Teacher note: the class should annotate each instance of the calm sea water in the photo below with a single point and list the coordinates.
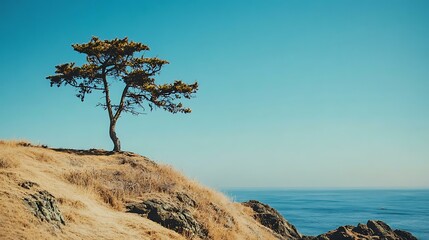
(317, 211)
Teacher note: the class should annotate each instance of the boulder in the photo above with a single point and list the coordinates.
(405, 235)
(185, 199)
(372, 230)
(28, 184)
(44, 206)
(222, 216)
(270, 218)
(381, 229)
(169, 216)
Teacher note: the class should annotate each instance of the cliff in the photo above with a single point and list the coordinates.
(95, 194)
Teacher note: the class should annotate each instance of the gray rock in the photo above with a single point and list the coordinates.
(381, 229)
(270, 218)
(185, 199)
(405, 235)
(170, 216)
(363, 229)
(228, 220)
(44, 206)
(372, 230)
(28, 184)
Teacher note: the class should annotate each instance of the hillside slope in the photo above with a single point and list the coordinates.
(71, 194)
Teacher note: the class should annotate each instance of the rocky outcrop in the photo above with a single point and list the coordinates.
(44, 206)
(372, 230)
(170, 216)
(185, 199)
(222, 216)
(28, 184)
(270, 218)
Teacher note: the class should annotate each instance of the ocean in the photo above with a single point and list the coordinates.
(317, 211)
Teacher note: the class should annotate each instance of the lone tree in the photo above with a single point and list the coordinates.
(117, 60)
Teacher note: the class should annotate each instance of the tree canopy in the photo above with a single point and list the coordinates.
(117, 60)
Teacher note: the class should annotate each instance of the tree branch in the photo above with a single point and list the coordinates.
(85, 86)
(121, 103)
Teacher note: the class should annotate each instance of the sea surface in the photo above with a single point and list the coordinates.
(317, 211)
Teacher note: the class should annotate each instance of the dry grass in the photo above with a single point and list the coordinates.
(122, 182)
(92, 190)
(6, 163)
(14, 143)
(72, 203)
(7, 160)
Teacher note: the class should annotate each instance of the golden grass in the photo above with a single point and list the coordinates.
(13, 143)
(6, 163)
(8, 160)
(92, 190)
(72, 203)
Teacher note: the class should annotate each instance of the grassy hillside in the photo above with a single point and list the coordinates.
(93, 188)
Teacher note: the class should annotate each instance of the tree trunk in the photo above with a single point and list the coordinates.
(115, 139)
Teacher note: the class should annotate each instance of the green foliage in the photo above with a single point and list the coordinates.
(116, 59)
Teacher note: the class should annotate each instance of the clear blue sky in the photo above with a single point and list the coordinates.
(292, 93)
